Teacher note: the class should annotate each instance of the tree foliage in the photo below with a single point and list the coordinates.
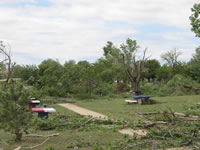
(14, 113)
(164, 73)
(150, 68)
(50, 72)
(27, 73)
(194, 69)
(195, 19)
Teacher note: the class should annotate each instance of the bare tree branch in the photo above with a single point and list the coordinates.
(6, 52)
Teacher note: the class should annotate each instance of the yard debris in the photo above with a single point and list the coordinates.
(148, 124)
(31, 147)
(177, 114)
(37, 135)
(138, 133)
(180, 148)
(18, 148)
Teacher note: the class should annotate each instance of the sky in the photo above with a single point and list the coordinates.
(63, 30)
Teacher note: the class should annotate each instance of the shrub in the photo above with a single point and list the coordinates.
(104, 89)
(177, 86)
(82, 96)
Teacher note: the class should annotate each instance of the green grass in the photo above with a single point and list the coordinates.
(117, 108)
(66, 140)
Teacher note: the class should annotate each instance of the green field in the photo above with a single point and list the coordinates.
(95, 135)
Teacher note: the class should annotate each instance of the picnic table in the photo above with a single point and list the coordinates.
(142, 99)
(42, 112)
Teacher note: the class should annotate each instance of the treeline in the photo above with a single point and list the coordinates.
(107, 76)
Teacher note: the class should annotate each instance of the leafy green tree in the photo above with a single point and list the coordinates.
(194, 65)
(87, 77)
(69, 77)
(110, 67)
(126, 56)
(164, 73)
(111, 64)
(26, 72)
(50, 72)
(14, 113)
(151, 66)
(171, 57)
(195, 19)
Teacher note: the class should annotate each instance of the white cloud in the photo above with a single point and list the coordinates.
(77, 29)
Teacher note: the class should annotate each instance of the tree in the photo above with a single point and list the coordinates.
(132, 65)
(14, 113)
(110, 67)
(69, 77)
(195, 19)
(151, 66)
(171, 57)
(127, 59)
(194, 69)
(5, 53)
(164, 73)
(50, 72)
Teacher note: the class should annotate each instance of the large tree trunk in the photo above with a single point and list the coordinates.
(135, 86)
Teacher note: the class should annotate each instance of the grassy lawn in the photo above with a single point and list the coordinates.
(117, 108)
(84, 140)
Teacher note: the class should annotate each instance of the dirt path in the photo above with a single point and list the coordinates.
(83, 111)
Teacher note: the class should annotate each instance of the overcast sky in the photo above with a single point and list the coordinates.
(78, 29)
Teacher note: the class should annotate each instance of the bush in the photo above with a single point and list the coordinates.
(36, 93)
(177, 86)
(82, 96)
(104, 89)
(180, 85)
(150, 89)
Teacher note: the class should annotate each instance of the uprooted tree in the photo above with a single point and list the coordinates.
(6, 61)
(128, 57)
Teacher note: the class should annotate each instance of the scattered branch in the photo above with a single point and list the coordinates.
(31, 147)
(37, 135)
